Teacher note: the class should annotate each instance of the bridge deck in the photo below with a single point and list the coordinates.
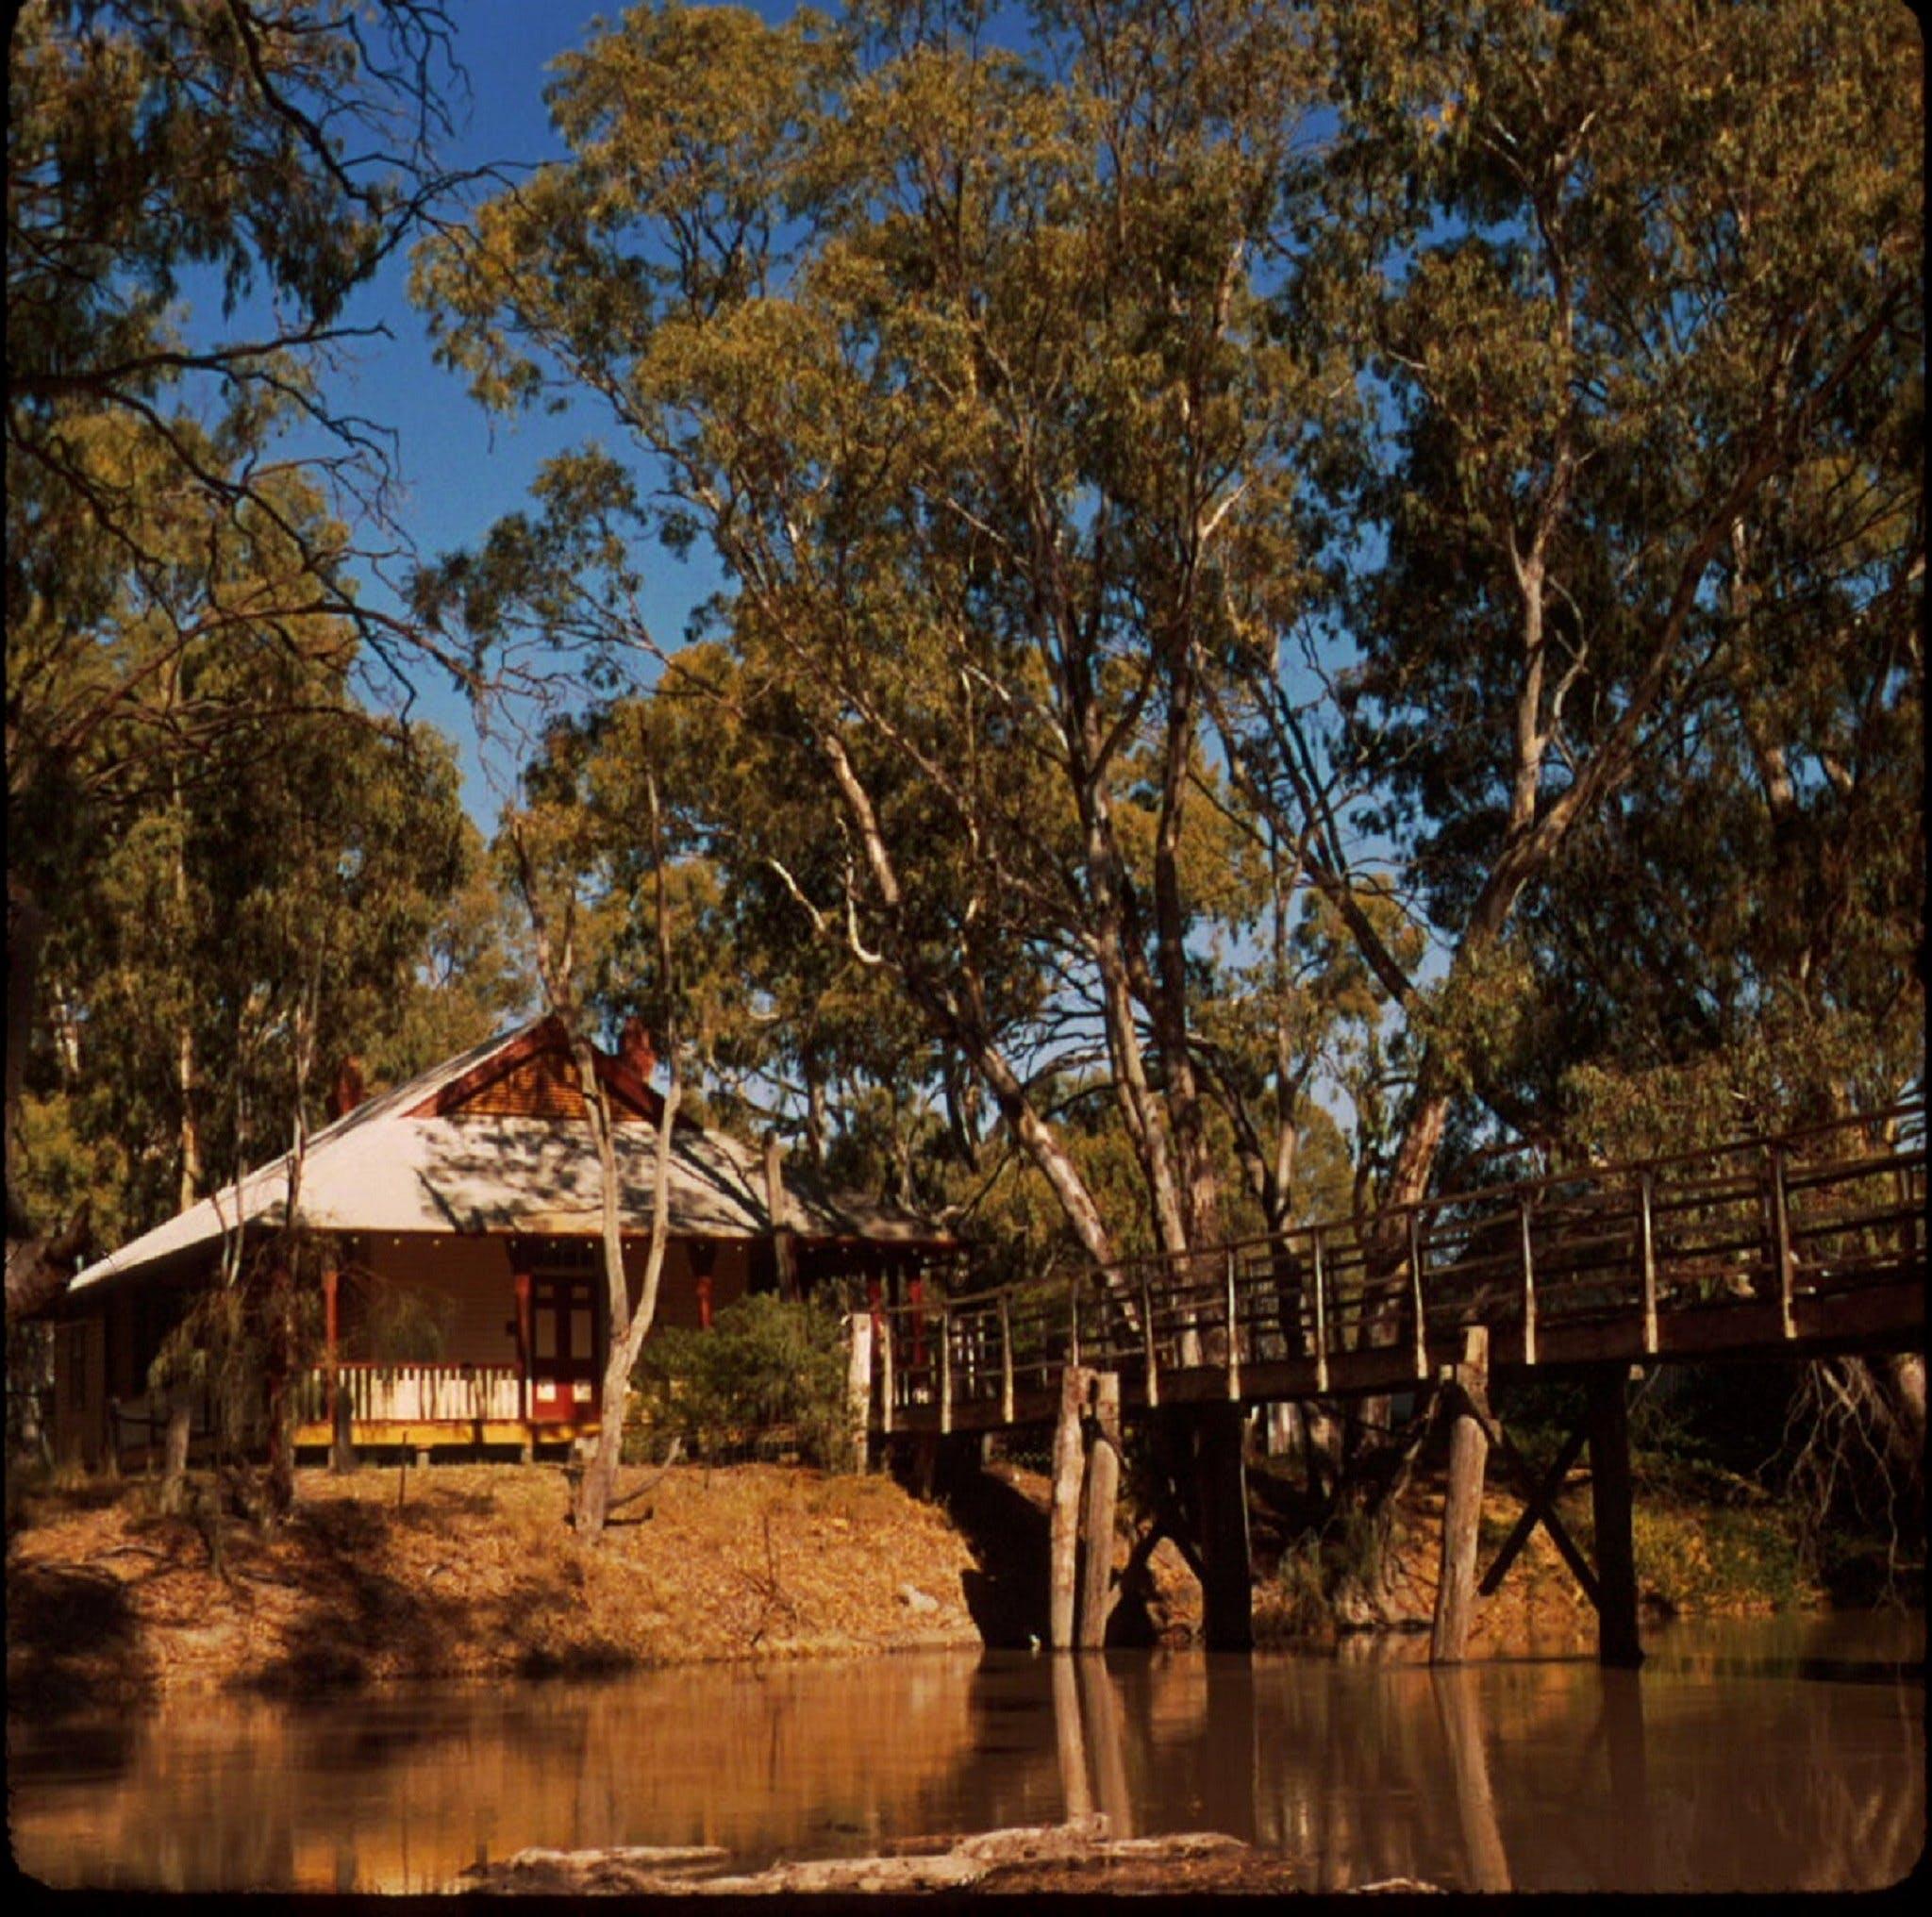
(1801, 1245)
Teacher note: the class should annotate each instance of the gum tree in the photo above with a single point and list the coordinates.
(953, 356)
(273, 153)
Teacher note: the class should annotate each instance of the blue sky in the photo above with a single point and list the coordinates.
(460, 468)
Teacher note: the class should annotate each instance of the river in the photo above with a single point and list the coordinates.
(1780, 1753)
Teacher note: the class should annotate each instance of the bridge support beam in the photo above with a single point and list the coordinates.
(1068, 1470)
(1463, 1503)
(1609, 1490)
(1220, 1497)
(1098, 1499)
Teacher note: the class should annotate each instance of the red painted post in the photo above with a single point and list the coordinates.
(338, 1423)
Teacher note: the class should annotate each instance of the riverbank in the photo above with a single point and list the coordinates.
(1705, 1544)
(472, 1570)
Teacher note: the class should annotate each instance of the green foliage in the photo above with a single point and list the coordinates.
(401, 1324)
(764, 1365)
(953, 355)
(233, 865)
(284, 155)
(1324, 1573)
(246, 929)
(1131, 520)
(1303, 1588)
(1638, 293)
(1721, 1558)
(265, 1317)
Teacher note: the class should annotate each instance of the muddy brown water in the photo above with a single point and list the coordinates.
(1781, 1754)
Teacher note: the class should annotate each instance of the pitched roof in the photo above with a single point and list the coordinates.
(433, 1156)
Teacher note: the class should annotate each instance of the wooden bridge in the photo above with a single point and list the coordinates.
(1803, 1244)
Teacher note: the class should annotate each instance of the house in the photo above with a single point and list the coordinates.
(462, 1301)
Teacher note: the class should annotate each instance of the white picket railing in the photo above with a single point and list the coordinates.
(415, 1394)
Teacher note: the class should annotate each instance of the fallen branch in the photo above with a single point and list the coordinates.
(915, 1864)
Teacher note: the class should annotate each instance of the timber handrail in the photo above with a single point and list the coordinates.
(1598, 1177)
(1765, 1219)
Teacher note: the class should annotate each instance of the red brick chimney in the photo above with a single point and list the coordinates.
(634, 1048)
(345, 1095)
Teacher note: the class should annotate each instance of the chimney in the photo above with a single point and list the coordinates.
(634, 1048)
(345, 1095)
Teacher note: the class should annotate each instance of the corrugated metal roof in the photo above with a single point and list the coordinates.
(379, 1170)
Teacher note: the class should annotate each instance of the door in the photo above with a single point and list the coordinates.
(566, 1348)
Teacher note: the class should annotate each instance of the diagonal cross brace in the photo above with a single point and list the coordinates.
(1540, 1508)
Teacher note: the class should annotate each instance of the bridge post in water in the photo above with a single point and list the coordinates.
(1069, 1463)
(1609, 1492)
(1462, 1501)
(1221, 1482)
(1098, 1499)
(1459, 1714)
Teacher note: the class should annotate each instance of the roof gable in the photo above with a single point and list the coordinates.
(534, 1075)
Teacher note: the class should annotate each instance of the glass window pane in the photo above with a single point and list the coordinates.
(580, 1334)
(546, 1334)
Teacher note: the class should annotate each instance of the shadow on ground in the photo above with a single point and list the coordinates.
(72, 1638)
(1008, 1534)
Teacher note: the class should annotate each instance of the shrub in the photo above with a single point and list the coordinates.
(766, 1366)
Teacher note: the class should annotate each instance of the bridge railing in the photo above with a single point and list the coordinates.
(1802, 1215)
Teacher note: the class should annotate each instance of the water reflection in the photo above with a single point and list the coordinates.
(1460, 1717)
(1741, 1757)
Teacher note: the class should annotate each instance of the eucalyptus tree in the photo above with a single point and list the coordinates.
(270, 909)
(1636, 512)
(551, 838)
(954, 357)
(771, 1019)
(273, 152)
(1633, 573)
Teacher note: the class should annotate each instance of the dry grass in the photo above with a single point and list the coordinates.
(473, 1570)
(470, 1571)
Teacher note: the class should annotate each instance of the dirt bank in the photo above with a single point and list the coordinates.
(1706, 1545)
(473, 1570)
(470, 1571)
